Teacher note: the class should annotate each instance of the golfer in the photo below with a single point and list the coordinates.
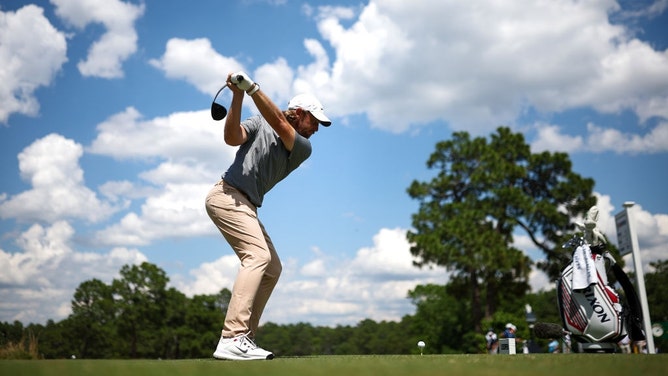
(271, 145)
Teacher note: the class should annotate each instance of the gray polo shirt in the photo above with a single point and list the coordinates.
(262, 161)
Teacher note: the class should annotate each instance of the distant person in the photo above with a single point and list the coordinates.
(553, 346)
(510, 331)
(492, 341)
(567, 343)
(271, 146)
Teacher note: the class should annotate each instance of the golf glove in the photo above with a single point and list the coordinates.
(245, 83)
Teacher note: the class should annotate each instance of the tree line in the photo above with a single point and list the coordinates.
(485, 191)
(136, 316)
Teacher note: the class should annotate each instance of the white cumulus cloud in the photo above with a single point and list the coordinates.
(184, 155)
(27, 62)
(51, 166)
(599, 139)
(39, 279)
(119, 41)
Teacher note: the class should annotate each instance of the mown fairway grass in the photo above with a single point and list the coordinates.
(386, 365)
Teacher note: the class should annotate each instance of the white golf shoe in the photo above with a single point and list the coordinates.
(240, 348)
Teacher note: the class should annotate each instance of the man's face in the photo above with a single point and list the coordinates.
(307, 124)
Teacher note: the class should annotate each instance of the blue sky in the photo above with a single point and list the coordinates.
(108, 148)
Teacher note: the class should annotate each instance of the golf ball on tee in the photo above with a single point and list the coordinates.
(421, 344)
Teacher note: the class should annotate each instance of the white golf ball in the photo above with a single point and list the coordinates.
(421, 344)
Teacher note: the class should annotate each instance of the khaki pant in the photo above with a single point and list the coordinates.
(236, 218)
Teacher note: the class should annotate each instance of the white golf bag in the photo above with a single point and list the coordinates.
(591, 310)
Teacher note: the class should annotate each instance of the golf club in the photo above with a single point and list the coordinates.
(218, 111)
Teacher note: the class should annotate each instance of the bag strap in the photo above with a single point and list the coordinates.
(634, 314)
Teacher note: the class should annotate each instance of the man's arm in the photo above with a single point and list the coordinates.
(274, 116)
(234, 133)
(269, 111)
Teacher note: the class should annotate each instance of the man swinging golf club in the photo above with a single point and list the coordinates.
(271, 145)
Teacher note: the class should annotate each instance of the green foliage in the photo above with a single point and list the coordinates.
(93, 310)
(139, 298)
(482, 192)
(25, 348)
(657, 299)
(440, 318)
(473, 343)
(657, 294)
(136, 316)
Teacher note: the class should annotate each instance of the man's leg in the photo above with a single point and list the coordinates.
(236, 218)
(269, 280)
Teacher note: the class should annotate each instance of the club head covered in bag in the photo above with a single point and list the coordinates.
(218, 111)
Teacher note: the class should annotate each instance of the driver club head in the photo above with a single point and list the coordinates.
(218, 112)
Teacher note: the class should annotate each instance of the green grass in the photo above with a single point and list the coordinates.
(412, 365)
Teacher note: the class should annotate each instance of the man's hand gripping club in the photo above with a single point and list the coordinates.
(269, 111)
(245, 83)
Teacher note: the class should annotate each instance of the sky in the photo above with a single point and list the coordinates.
(108, 148)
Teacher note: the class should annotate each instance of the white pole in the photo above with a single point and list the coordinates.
(640, 279)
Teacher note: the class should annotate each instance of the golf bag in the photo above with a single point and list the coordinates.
(590, 309)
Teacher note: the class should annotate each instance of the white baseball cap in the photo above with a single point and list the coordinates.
(311, 104)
